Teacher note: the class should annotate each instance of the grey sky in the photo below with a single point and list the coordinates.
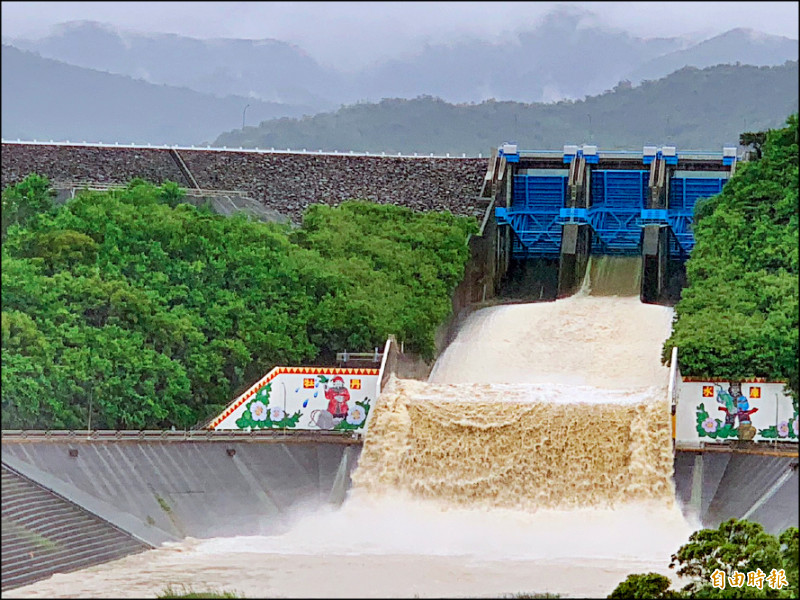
(351, 34)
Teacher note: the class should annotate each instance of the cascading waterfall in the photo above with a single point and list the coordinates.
(536, 406)
(520, 447)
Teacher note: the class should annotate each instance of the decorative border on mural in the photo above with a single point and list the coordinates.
(254, 389)
(693, 379)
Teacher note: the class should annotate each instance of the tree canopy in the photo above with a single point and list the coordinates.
(157, 313)
(738, 316)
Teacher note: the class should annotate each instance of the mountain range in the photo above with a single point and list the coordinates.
(698, 109)
(89, 81)
(561, 58)
(47, 99)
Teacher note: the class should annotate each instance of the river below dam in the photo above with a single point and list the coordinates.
(537, 458)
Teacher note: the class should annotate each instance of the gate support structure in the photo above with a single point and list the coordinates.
(576, 236)
(655, 234)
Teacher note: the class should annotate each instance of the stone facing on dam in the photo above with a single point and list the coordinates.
(284, 182)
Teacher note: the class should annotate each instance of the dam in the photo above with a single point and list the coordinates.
(504, 472)
(539, 455)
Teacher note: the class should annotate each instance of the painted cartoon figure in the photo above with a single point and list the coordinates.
(746, 430)
(744, 410)
(736, 406)
(729, 405)
(337, 397)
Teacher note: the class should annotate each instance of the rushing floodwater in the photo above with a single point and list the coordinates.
(537, 458)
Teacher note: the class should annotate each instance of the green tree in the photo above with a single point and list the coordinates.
(738, 316)
(21, 201)
(651, 586)
(790, 557)
(755, 139)
(156, 313)
(736, 546)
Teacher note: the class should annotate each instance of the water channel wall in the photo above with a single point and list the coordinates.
(162, 490)
(43, 534)
(713, 485)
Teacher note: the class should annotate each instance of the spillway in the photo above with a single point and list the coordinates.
(536, 458)
(551, 405)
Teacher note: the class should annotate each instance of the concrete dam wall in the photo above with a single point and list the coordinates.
(95, 501)
(167, 490)
(716, 486)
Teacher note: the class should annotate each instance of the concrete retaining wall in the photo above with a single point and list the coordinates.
(717, 486)
(44, 533)
(170, 490)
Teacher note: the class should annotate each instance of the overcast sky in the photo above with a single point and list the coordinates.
(351, 34)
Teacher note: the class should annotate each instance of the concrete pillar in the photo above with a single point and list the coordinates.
(655, 238)
(503, 198)
(655, 253)
(576, 238)
(576, 244)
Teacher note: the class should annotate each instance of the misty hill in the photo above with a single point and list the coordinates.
(745, 46)
(692, 108)
(558, 59)
(563, 57)
(47, 99)
(268, 69)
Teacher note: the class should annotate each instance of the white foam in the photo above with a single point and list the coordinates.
(397, 525)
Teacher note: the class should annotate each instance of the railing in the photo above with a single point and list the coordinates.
(103, 186)
(772, 448)
(343, 357)
(102, 435)
(273, 150)
(685, 154)
(90, 185)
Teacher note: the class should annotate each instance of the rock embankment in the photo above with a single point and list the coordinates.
(284, 182)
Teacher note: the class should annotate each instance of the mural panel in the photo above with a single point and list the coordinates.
(304, 398)
(752, 410)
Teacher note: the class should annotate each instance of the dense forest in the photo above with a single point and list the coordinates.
(699, 109)
(156, 313)
(738, 317)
